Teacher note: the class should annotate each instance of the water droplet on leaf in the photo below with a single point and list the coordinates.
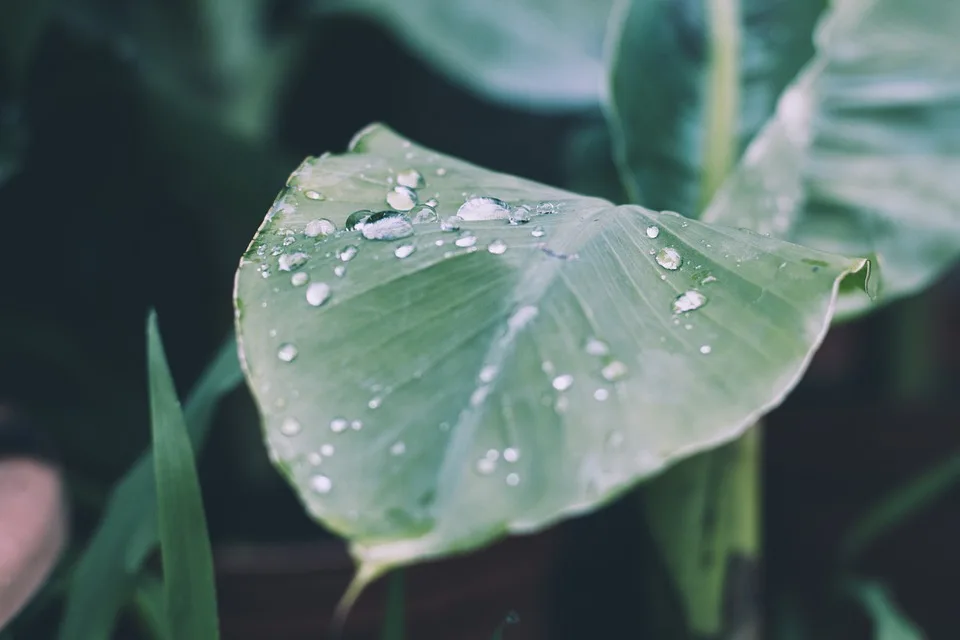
(318, 293)
(348, 253)
(597, 347)
(287, 352)
(387, 225)
(402, 198)
(705, 349)
(483, 208)
(513, 479)
(614, 371)
(404, 250)
(497, 247)
(321, 483)
(451, 224)
(338, 425)
(653, 232)
(320, 227)
(511, 454)
(467, 239)
(562, 383)
(410, 178)
(423, 213)
(689, 301)
(669, 258)
(357, 219)
(299, 278)
(290, 427)
(398, 448)
(291, 261)
(314, 195)
(538, 232)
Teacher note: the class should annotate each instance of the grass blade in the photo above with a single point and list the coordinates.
(189, 588)
(106, 574)
(393, 623)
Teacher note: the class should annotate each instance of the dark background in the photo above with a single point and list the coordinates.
(120, 204)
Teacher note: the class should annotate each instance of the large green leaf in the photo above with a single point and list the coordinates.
(540, 54)
(428, 394)
(863, 153)
(690, 82)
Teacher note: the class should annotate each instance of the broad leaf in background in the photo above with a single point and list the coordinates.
(428, 390)
(889, 623)
(690, 81)
(107, 572)
(863, 155)
(188, 583)
(536, 54)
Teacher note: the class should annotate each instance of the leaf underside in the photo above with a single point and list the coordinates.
(435, 402)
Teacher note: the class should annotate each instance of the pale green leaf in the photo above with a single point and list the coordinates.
(889, 622)
(537, 54)
(503, 377)
(689, 82)
(863, 153)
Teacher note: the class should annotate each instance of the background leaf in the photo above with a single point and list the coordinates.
(500, 378)
(106, 573)
(668, 76)
(889, 623)
(188, 582)
(537, 54)
(862, 155)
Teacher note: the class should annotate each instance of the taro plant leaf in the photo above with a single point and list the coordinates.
(431, 390)
(539, 54)
(863, 153)
(188, 584)
(107, 571)
(689, 83)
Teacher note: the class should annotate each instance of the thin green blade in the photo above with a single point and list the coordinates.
(428, 394)
(189, 588)
(889, 622)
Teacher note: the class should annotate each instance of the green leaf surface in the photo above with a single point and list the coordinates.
(863, 153)
(188, 583)
(689, 82)
(889, 623)
(538, 54)
(501, 377)
(106, 574)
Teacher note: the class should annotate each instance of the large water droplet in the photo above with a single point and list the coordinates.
(519, 215)
(563, 382)
(410, 178)
(669, 258)
(321, 483)
(483, 208)
(404, 250)
(467, 239)
(348, 253)
(402, 198)
(299, 278)
(287, 352)
(451, 224)
(319, 227)
(338, 425)
(689, 301)
(511, 454)
(318, 293)
(314, 195)
(290, 427)
(387, 225)
(597, 347)
(291, 261)
(497, 247)
(398, 448)
(357, 219)
(653, 232)
(423, 213)
(614, 371)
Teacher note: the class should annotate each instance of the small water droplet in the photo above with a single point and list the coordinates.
(441, 171)
(289, 240)
(562, 383)
(511, 454)
(488, 373)
(348, 253)
(314, 195)
(356, 425)
(466, 239)
(321, 483)
(287, 352)
(519, 215)
(479, 395)
(451, 224)
(705, 349)
(299, 278)
(513, 479)
(614, 371)
(291, 261)
(689, 301)
(290, 427)
(538, 232)
(486, 466)
(601, 394)
(402, 198)
(339, 270)
(404, 250)
(708, 280)
(410, 178)
(387, 225)
(338, 425)
(320, 227)
(398, 448)
(483, 208)
(314, 458)
(653, 232)
(669, 258)
(432, 203)
(326, 449)
(318, 293)
(423, 214)
(522, 316)
(497, 247)
(357, 219)
(375, 402)
(546, 208)
(597, 347)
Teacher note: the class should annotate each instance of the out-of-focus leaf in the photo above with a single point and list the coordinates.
(863, 153)
(889, 623)
(430, 393)
(536, 54)
(148, 599)
(106, 574)
(393, 623)
(189, 590)
(688, 85)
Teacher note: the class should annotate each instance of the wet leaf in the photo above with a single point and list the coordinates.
(863, 153)
(496, 372)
